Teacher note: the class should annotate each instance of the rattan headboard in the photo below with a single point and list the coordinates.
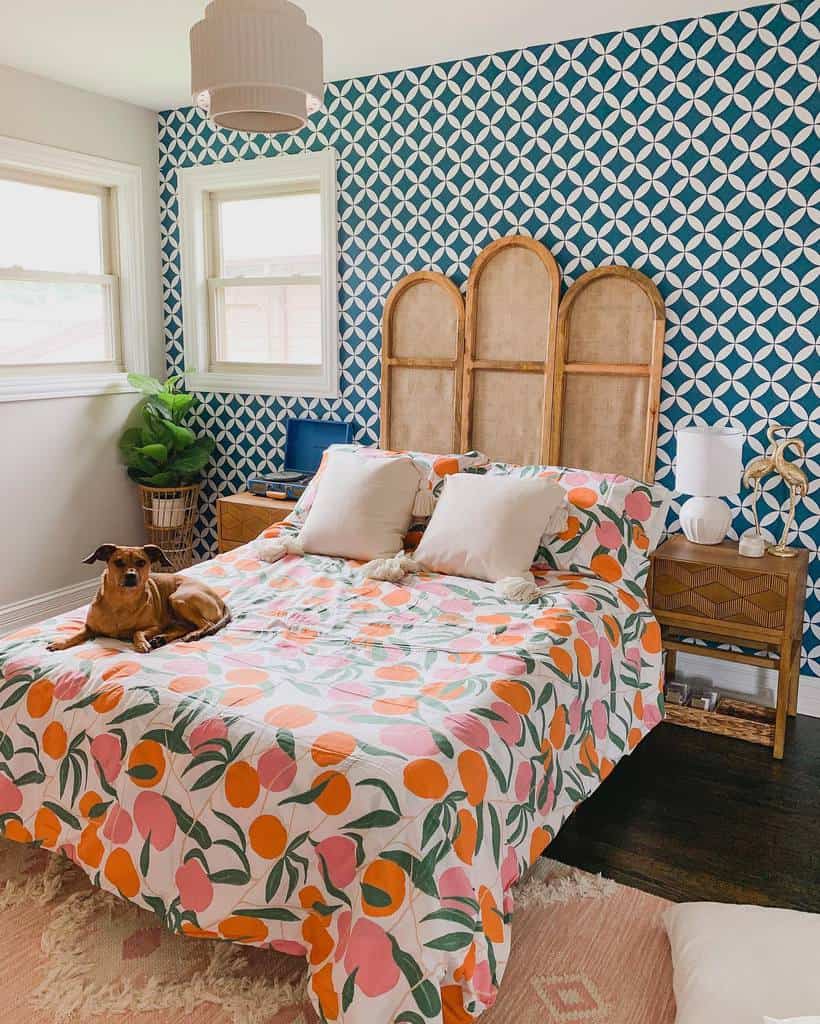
(528, 380)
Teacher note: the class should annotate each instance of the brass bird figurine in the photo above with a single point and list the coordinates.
(775, 461)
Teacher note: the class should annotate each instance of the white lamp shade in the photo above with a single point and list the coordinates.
(709, 461)
(256, 65)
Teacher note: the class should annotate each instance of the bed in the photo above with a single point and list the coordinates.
(358, 771)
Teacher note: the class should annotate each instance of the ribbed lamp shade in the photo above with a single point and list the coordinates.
(709, 461)
(256, 65)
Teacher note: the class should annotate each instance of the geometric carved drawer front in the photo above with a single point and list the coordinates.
(242, 524)
(715, 592)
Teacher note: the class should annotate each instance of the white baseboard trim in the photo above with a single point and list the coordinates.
(758, 684)
(45, 606)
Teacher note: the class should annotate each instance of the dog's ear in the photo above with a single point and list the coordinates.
(156, 554)
(102, 554)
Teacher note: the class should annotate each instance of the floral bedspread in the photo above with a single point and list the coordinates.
(355, 772)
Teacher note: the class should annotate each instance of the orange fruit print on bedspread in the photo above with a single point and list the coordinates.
(352, 772)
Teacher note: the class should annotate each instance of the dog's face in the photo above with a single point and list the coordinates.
(128, 568)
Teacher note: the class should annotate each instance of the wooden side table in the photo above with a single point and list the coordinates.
(242, 517)
(711, 592)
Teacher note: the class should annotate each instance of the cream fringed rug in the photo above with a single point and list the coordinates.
(585, 951)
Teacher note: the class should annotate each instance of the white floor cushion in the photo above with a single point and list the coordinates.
(744, 965)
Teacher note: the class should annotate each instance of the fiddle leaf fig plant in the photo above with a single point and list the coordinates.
(164, 451)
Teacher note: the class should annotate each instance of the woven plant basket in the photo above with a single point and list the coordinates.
(169, 514)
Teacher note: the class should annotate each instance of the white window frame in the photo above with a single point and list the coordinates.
(123, 183)
(196, 186)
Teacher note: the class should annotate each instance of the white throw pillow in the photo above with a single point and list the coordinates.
(740, 965)
(362, 507)
(488, 528)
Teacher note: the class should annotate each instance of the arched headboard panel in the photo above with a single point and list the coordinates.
(422, 364)
(512, 309)
(608, 361)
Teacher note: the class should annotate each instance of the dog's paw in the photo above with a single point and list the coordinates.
(142, 647)
(55, 645)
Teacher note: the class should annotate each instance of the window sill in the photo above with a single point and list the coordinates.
(322, 384)
(36, 388)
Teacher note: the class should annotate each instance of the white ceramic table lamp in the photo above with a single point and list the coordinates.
(709, 466)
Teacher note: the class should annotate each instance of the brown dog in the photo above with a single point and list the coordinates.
(149, 609)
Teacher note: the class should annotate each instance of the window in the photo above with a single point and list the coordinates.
(259, 276)
(62, 286)
(58, 287)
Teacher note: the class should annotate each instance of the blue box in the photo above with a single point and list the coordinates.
(306, 441)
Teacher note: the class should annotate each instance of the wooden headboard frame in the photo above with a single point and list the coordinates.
(512, 312)
(607, 374)
(519, 376)
(422, 364)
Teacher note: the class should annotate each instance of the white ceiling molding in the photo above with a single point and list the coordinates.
(139, 52)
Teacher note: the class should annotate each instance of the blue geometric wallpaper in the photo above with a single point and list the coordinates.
(689, 151)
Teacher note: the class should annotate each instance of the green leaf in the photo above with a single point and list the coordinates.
(375, 897)
(452, 942)
(385, 788)
(156, 452)
(62, 814)
(375, 819)
(136, 712)
(145, 856)
(349, 990)
(147, 385)
(274, 880)
(131, 438)
(195, 829)
(309, 797)
(143, 772)
(156, 904)
(424, 992)
(286, 742)
(458, 917)
(268, 914)
(230, 876)
(169, 739)
(209, 778)
(443, 744)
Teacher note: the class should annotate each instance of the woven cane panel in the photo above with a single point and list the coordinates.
(604, 424)
(612, 321)
(513, 307)
(750, 598)
(507, 413)
(425, 324)
(422, 404)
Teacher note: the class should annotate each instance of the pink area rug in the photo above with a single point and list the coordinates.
(585, 951)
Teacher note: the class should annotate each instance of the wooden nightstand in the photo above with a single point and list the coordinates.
(242, 517)
(713, 593)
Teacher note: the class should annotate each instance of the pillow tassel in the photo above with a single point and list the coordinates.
(274, 550)
(390, 570)
(521, 589)
(425, 503)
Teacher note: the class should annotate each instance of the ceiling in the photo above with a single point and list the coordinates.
(137, 50)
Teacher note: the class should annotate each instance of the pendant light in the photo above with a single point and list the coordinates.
(256, 65)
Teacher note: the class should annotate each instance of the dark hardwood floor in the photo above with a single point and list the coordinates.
(690, 816)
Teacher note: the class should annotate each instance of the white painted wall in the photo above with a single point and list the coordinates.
(62, 490)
